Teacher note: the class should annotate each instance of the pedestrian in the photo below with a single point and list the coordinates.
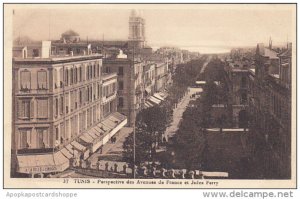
(116, 167)
(192, 174)
(89, 164)
(163, 172)
(124, 168)
(172, 172)
(106, 166)
(98, 165)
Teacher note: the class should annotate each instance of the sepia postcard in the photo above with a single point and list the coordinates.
(149, 96)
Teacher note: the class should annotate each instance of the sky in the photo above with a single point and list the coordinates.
(185, 26)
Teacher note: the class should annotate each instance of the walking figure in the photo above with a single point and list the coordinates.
(115, 167)
(106, 166)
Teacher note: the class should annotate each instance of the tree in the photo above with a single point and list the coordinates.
(190, 143)
(141, 153)
(151, 123)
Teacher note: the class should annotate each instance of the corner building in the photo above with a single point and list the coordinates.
(64, 107)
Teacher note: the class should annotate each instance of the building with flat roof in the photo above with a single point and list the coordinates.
(64, 109)
(130, 85)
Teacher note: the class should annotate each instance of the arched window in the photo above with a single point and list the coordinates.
(25, 80)
(42, 79)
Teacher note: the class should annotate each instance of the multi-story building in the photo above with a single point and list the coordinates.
(152, 95)
(270, 111)
(63, 107)
(261, 100)
(149, 78)
(162, 76)
(237, 77)
(130, 84)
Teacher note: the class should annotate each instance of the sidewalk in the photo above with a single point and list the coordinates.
(177, 115)
(112, 152)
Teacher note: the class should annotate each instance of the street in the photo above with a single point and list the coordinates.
(177, 115)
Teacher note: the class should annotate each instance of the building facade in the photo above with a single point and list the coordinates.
(270, 111)
(130, 85)
(60, 102)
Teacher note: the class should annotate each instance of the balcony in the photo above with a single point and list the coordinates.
(109, 97)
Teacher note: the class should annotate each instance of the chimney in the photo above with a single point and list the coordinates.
(46, 49)
(24, 52)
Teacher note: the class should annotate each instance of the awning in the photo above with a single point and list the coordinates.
(78, 146)
(148, 104)
(98, 129)
(155, 100)
(158, 96)
(69, 147)
(66, 153)
(108, 124)
(86, 138)
(92, 134)
(61, 161)
(42, 163)
(163, 94)
(103, 127)
(119, 116)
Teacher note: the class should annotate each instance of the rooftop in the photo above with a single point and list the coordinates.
(270, 53)
(58, 59)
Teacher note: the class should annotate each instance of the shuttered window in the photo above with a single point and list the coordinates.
(41, 138)
(25, 80)
(24, 139)
(61, 104)
(42, 79)
(25, 109)
(67, 102)
(42, 108)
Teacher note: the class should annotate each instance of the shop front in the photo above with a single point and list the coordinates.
(40, 164)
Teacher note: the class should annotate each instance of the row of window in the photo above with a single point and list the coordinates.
(26, 80)
(109, 90)
(29, 108)
(77, 98)
(29, 138)
(40, 138)
(77, 124)
(120, 70)
(82, 73)
(109, 108)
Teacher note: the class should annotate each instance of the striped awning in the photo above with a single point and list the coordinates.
(155, 100)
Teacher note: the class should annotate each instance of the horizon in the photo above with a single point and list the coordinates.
(183, 27)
